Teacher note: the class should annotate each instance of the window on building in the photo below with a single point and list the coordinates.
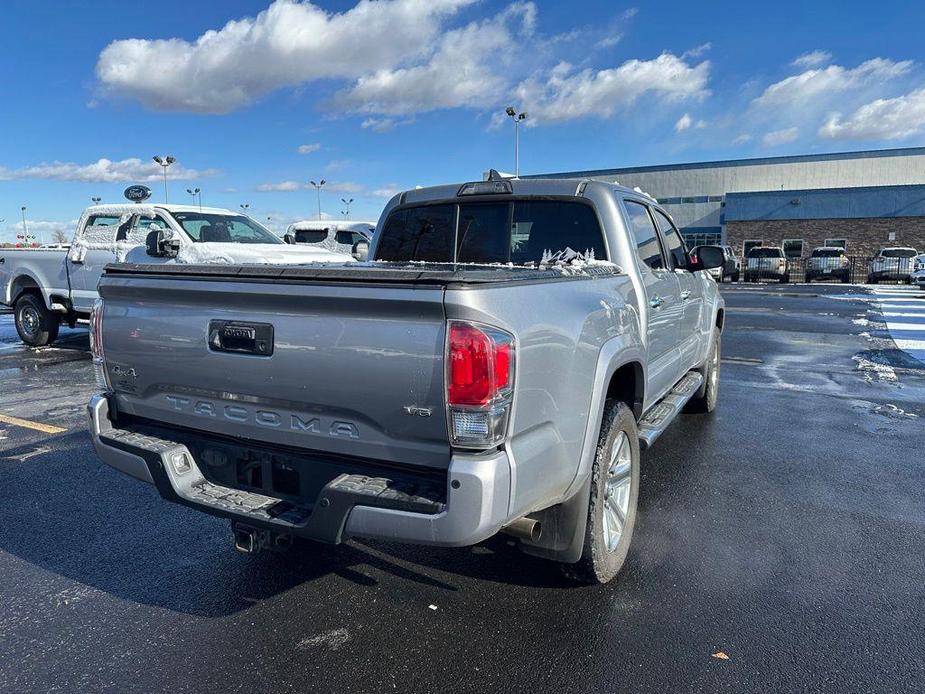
(837, 243)
(793, 248)
(647, 243)
(749, 244)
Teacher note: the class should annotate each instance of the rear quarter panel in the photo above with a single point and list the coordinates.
(560, 329)
(46, 268)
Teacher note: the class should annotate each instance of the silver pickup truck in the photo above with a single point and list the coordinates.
(498, 365)
(47, 287)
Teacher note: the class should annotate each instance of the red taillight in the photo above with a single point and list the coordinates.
(478, 368)
(479, 384)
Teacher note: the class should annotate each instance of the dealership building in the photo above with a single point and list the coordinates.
(861, 201)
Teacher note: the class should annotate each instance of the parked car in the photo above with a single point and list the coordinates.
(891, 264)
(828, 262)
(478, 375)
(341, 237)
(50, 286)
(765, 262)
(730, 268)
(918, 274)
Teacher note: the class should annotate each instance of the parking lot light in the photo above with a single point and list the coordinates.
(318, 187)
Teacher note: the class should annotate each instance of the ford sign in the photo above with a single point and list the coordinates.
(137, 193)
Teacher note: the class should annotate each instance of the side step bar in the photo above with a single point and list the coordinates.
(657, 419)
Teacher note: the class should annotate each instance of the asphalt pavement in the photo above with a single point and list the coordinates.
(779, 547)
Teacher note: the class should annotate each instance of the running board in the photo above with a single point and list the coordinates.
(657, 419)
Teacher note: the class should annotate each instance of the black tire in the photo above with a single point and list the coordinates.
(599, 562)
(871, 280)
(705, 398)
(735, 277)
(36, 325)
(784, 279)
(845, 279)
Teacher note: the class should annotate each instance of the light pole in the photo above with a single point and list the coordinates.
(317, 187)
(517, 118)
(194, 192)
(96, 200)
(347, 204)
(164, 162)
(244, 206)
(25, 229)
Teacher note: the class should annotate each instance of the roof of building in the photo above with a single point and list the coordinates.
(725, 163)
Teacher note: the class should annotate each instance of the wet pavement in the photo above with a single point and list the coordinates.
(784, 532)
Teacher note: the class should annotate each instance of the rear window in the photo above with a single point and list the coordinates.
(766, 253)
(898, 253)
(828, 253)
(516, 232)
(311, 235)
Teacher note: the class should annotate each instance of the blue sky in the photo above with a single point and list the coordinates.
(389, 95)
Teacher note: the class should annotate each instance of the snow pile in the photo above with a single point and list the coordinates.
(103, 237)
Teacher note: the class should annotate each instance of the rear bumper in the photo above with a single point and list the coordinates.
(474, 507)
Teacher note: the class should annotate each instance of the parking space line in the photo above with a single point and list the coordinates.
(27, 424)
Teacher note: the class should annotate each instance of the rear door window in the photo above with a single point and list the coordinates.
(648, 247)
(766, 253)
(311, 235)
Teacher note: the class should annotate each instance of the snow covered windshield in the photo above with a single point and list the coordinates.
(207, 227)
(518, 232)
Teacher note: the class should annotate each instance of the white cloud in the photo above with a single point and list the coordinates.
(308, 149)
(564, 94)
(697, 51)
(44, 230)
(831, 80)
(329, 187)
(812, 59)
(883, 119)
(384, 125)
(105, 171)
(780, 137)
(466, 68)
(288, 44)
(388, 191)
(281, 187)
(742, 139)
(684, 122)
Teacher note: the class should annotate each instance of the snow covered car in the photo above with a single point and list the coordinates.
(50, 286)
(891, 264)
(341, 237)
(828, 262)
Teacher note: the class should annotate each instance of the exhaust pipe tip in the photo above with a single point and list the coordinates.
(526, 529)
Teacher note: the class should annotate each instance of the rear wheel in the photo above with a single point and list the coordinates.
(36, 325)
(784, 279)
(614, 494)
(871, 280)
(705, 398)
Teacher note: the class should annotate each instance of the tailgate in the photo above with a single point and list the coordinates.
(356, 370)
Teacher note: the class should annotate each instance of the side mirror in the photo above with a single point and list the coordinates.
(289, 238)
(361, 251)
(706, 258)
(161, 244)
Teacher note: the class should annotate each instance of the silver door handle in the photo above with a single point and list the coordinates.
(656, 301)
(686, 294)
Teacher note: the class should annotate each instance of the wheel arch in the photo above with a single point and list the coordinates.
(23, 283)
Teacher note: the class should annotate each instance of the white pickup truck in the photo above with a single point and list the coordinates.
(50, 286)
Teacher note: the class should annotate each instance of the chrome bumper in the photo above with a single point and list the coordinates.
(476, 506)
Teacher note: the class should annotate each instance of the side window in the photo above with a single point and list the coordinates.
(139, 231)
(419, 233)
(647, 244)
(676, 250)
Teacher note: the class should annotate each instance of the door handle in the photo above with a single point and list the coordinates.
(656, 301)
(686, 294)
